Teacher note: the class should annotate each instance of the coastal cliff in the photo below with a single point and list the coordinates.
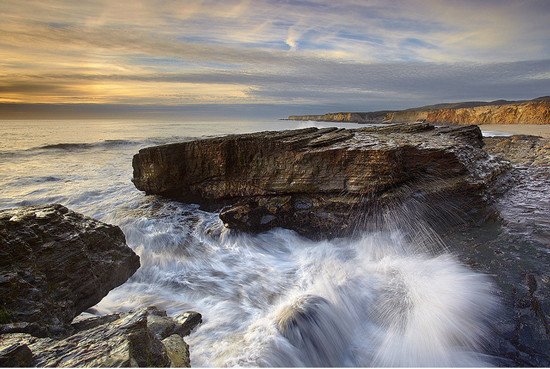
(349, 117)
(536, 111)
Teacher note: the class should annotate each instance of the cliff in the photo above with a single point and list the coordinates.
(355, 117)
(536, 111)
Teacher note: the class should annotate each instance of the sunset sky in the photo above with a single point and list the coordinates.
(276, 57)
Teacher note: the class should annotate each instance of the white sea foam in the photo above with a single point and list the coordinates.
(372, 301)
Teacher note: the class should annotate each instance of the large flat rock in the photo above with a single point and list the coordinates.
(316, 181)
(54, 264)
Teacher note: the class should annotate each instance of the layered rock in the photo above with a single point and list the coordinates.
(54, 264)
(319, 182)
(520, 149)
(529, 112)
(536, 111)
(145, 338)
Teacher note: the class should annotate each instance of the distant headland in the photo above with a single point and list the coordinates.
(535, 111)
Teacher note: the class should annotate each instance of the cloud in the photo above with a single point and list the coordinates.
(360, 54)
(292, 38)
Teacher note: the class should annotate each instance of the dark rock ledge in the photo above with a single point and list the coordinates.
(321, 182)
(55, 264)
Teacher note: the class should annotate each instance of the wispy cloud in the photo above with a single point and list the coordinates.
(362, 54)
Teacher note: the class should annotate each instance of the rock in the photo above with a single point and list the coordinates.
(319, 182)
(520, 149)
(187, 322)
(54, 264)
(16, 354)
(123, 342)
(178, 351)
(315, 330)
(161, 326)
(127, 341)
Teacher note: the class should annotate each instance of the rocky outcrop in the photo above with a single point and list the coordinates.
(520, 149)
(319, 182)
(54, 264)
(128, 340)
(355, 117)
(536, 111)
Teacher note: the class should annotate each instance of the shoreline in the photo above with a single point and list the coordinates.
(542, 130)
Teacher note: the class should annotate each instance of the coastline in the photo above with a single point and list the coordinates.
(542, 130)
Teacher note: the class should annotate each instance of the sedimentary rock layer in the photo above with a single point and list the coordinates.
(317, 181)
(54, 264)
(536, 111)
(530, 112)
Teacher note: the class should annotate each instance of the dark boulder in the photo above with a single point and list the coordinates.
(54, 264)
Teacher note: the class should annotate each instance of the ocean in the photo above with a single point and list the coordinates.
(377, 300)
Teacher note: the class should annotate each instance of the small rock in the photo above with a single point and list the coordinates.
(125, 342)
(84, 323)
(267, 219)
(188, 321)
(15, 355)
(178, 351)
(161, 326)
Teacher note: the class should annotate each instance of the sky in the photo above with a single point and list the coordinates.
(269, 57)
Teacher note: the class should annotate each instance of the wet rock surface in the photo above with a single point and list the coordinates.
(522, 150)
(54, 264)
(318, 181)
(515, 248)
(130, 340)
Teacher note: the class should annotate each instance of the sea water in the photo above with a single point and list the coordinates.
(272, 299)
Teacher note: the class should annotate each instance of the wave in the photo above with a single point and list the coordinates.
(277, 299)
(82, 146)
